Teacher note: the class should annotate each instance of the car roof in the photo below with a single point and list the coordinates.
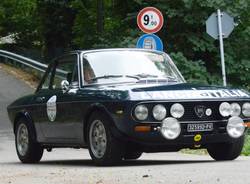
(103, 50)
(116, 49)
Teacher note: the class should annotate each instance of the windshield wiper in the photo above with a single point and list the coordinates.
(114, 76)
(146, 75)
(137, 77)
(171, 78)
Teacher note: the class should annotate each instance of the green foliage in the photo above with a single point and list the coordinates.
(193, 71)
(18, 17)
(55, 26)
(246, 148)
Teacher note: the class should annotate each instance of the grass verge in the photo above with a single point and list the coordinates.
(246, 148)
(27, 77)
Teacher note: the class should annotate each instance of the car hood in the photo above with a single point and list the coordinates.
(183, 91)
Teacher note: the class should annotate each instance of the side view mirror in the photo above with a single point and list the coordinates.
(65, 85)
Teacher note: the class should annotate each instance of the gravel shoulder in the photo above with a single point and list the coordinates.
(72, 166)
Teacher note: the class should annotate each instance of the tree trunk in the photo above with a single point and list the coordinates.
(100, 16)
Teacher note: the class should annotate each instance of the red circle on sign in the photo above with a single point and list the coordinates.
(142, 27)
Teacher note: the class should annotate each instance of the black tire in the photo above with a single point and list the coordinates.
(132, 155)
(34, 151)
(226, 151)
(114, 148)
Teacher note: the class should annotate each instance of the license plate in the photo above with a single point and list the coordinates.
(200, 127)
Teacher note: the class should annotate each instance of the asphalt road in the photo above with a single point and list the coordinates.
(71, 166)
(10, 89)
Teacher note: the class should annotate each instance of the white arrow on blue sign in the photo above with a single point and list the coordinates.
(150, 41)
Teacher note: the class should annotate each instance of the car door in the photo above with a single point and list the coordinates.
(39, 107)
(57, 120)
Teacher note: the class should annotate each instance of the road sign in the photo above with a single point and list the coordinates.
(220, 25)
(227, 25)
(150, 41)
(150, 20)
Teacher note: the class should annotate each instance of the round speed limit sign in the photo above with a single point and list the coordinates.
(150, 20)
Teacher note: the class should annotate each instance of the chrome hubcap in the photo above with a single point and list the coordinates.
(98, 138)
(22, 139)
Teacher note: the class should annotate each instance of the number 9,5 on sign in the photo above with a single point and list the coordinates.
(150, 20)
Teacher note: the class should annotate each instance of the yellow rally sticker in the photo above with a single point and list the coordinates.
(197, 137)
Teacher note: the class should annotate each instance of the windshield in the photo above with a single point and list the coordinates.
(116, 65)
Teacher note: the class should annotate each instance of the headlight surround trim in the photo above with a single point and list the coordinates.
(225, 109)
(170, 128)
(246, 109)
(177, 110)
(235, 109)
(141, 112)
(235, 127)
(159, 112)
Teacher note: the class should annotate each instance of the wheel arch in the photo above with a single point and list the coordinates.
(97, 107)
(26, 116)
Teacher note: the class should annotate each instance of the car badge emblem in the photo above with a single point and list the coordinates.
(200, 110)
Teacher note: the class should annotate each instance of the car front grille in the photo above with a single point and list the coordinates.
(190, 113)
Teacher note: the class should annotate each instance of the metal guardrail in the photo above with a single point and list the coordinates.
(24, 60)
(32, 64)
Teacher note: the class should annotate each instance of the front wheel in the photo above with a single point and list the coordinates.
(28, 150)
(226, 151)
(104, 148)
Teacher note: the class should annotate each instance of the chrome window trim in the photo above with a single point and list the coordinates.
(123, 49)
(81, 65)
(76, 62)
(78, 69)
(52, 67)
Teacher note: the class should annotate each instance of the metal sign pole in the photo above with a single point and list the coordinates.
(221, 48)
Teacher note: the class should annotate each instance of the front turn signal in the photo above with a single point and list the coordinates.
(247, 124)
(142, 128)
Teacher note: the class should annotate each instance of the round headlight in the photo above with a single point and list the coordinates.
(225, 109)
(235, 127)
(235, 109)
(246, 109)
(159, 112)
(141, 112)
(177, 110)
(170, 128)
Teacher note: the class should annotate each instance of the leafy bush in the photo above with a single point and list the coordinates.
(246, 148)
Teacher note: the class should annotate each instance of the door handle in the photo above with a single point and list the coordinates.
(40, 99)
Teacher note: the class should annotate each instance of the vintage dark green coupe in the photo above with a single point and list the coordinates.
(119, 103)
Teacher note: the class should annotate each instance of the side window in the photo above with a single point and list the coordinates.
(66, 69)
(46, 84)
(87, 72)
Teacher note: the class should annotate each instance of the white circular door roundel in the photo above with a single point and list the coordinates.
(51, 108)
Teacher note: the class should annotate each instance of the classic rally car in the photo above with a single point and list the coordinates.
(119, 103)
